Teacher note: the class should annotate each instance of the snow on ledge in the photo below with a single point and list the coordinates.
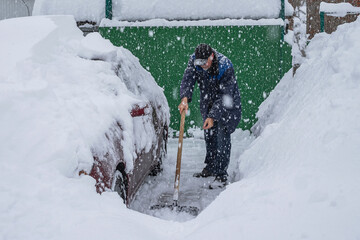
(208, 22)
(141, 10)
(338, 9)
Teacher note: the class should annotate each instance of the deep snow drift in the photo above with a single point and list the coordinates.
(299, 178)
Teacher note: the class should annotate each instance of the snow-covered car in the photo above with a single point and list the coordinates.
(133, 149)
(78, 104)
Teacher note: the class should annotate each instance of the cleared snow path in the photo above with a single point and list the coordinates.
(193, 191)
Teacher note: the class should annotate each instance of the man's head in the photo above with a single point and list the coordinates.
(203, 56)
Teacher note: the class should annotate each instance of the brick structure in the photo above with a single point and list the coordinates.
(331, 23)
(313, 15)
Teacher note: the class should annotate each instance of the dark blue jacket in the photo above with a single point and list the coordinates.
(219, 92)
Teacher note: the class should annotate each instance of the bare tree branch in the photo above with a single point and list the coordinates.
(27, 7)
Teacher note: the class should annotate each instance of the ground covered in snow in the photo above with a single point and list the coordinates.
(298, 179)
(194, 192)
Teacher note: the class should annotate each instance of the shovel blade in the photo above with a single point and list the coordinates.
(194, 211)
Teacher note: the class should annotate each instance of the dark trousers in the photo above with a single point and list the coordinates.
(218, 148)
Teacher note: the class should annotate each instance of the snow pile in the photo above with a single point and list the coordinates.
(93, 10)
(300, 176)
(95, 47)
(129, 10)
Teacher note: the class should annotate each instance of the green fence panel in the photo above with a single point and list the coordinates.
(108, 9)
(259, 57)
(322, 16)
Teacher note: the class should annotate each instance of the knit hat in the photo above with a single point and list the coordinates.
(202, 53)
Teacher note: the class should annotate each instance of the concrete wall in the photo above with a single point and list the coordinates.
(15, 8)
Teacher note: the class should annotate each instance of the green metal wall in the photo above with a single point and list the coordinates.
(257, 53)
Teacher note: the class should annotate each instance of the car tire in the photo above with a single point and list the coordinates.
(157, 168)
(120, 183)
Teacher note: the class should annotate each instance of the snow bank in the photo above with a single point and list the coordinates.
(300, 176)
(128, 10)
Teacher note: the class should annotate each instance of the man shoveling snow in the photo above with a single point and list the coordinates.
(219, 104)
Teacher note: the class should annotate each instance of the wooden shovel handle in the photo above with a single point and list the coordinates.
(178, 163)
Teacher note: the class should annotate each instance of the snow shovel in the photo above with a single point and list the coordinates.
(174, 206)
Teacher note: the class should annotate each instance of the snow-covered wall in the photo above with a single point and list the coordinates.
(199, 9)
(165, 23)
(338, 9)
(167, 9)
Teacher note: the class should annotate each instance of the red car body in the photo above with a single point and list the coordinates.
(109, 167)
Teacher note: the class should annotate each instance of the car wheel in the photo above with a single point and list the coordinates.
(157, 168)
(120, 183)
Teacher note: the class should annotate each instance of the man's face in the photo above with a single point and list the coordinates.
(207, 65)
